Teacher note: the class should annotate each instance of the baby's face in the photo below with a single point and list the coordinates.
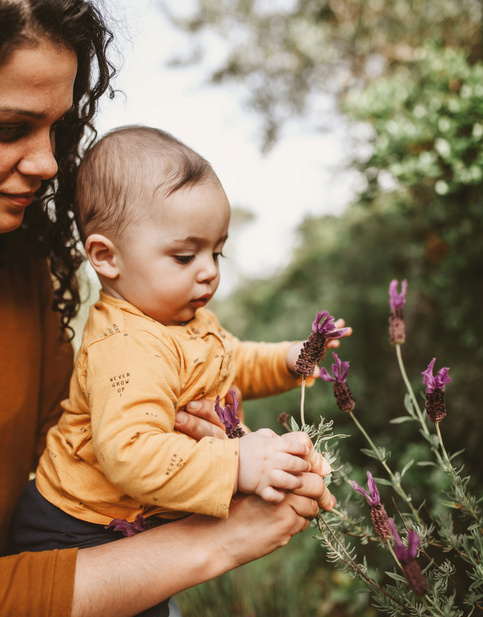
(168, 262)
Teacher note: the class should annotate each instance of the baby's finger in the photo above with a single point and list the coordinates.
(280, 479)
(298, 443)
(290, 463)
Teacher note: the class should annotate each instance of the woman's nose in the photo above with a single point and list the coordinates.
(38, 160)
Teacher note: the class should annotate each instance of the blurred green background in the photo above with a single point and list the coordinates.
(407, 77)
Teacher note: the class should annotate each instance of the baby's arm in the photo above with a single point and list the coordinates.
(269, 464)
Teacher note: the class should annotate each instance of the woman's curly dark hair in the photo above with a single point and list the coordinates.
(49, 221)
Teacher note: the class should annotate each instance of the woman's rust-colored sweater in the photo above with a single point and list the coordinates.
(34, 376)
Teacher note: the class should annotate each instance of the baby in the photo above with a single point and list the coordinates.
(154, 219)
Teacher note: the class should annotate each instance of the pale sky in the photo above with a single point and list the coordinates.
(295, 179)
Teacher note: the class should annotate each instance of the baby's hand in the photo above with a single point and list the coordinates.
(334, 343)
(270, 464)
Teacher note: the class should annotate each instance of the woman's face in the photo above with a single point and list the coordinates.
(36, 86)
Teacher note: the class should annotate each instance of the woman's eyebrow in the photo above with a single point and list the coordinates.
(36, 115)
(23, 112)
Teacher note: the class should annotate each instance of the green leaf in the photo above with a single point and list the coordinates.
(396, 577)
(449, 504)
(406, 467)
(401, 419)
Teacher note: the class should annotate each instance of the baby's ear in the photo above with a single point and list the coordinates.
(102, 255)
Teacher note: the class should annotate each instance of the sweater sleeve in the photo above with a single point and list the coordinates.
(262, 369)
(57, 362)
(40, 584)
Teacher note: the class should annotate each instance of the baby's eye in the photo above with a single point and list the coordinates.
(216, 256)
(184, 259)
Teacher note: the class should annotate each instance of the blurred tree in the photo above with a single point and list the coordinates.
(409, 72)
(285, 52)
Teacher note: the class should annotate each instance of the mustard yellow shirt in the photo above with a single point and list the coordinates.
(114, 452)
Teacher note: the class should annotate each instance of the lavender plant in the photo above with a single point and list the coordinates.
(438, 565)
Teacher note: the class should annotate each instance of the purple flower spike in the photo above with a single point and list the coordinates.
(436, 382)
(435, 397)
(313, 349)
(397, 300)
(343, 395)
(402, 553)
(229, 418)
(374, 498)
(407, 557)
(126, 528)
(324, 324)
(378, 512)
(340, 370)
(397, 328)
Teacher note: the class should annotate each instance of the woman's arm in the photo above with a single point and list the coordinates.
(125, 577)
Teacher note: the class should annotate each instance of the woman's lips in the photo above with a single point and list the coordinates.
(19, 199)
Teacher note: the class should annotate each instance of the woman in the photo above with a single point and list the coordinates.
(53, 69)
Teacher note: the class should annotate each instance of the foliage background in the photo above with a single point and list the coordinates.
(408, 77)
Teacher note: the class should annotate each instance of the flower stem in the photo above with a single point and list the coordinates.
(444, 460)
(410, 390)
(302, 401)
(396, 482)
(344, 556)
(451, 472)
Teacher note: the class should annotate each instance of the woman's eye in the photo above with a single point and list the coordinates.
(11, 132)
(184, 259)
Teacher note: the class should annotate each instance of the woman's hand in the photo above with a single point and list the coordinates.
(199, 419)
(313, 483)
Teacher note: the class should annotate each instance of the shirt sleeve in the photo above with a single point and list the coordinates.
(40, 584)
(262, 369)
(133, 384)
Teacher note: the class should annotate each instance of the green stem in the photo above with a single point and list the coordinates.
(443, 460)
(451, 472)
(396, 482)
(347, 559)
(421, 416)
(410, 390)
(430, 605)
(302, 401)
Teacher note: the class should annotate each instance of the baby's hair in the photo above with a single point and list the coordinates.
(125, 170)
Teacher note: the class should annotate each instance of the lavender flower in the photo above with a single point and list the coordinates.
(229, 418)
(130, 529)
(435, 397)
(407, 557)
(378, 512)
(283, 419)
(343, 395)
(397, 330)
(323, 328)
